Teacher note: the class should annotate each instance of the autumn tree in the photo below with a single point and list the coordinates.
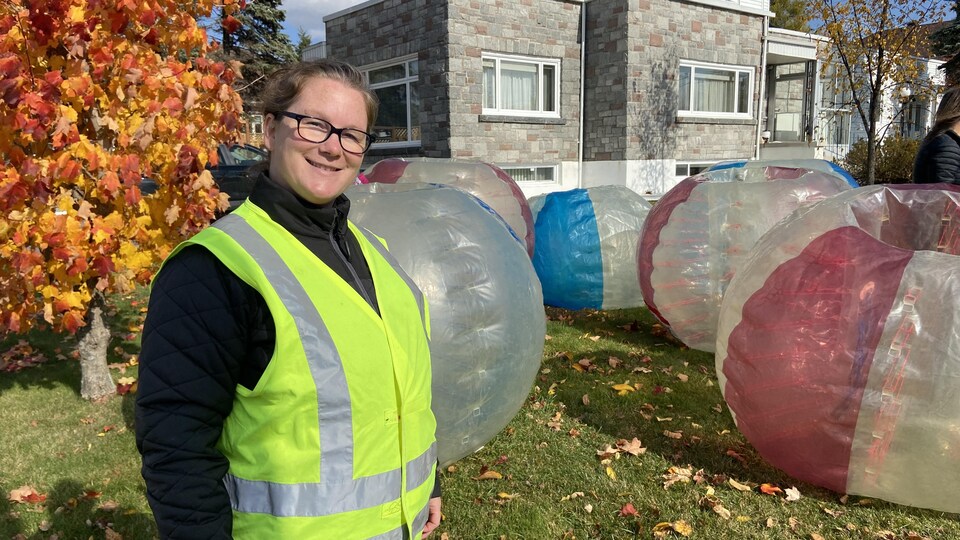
(791, 15)
(259, 43)
(876, 46)
(94, 97)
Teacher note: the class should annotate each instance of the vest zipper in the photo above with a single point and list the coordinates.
(343, 251)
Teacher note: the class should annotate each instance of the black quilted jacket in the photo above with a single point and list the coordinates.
(206, 331)
(938, 160)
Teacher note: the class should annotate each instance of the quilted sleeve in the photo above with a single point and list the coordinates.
(939, 161)
(191, 360)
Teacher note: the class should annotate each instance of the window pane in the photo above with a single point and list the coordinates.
(743, 93)
(531, 174)
(414, 112)
(685, 88)
(489, 84)
(681, 170)
(391, 125)
(714, 90)
(549, 82)
(389, 73)
(697, 169)
(518, 86)
(414, 67)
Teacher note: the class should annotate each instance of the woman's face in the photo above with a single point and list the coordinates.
(316, 172)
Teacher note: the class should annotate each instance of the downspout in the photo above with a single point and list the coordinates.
(761, 105)
(583, 62)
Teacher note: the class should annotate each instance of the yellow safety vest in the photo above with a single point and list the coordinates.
(337, 440)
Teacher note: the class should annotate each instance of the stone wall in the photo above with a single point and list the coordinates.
(634, 49)
(539, 28)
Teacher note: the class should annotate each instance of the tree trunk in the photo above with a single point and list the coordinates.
(95, 379)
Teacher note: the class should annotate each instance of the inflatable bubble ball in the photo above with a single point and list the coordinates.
(586, 249)
(486, 309)
(485, 181)
(700, 231)
(839, 344)
(821, 165)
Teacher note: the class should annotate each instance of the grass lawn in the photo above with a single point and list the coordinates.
(566, 466)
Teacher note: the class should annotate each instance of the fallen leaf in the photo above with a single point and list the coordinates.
(634, 448)
(770, 489)
(673, 434)
(607, 452)
(738, 486)
(815, 536)
(586, 400)
(623, 389)
(611, 473)
(25, 494)
(833, 513)
(677, 474)
(682, 377)
(588, 507)
(506, 496)
(663, 529)
(573, 495)
(770, 523)
(489, 475)
(628, 510)
(793, 494)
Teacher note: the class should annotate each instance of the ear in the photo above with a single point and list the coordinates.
(269, 130)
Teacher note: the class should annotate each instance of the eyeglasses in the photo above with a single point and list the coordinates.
(316, 130)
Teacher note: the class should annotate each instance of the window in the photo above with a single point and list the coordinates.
(397, 86)
(519, 86)
(256, 124)
(685, 170)
(715, 91)
(532, 173)
(913, 118)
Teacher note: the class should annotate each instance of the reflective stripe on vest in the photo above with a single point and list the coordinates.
(337, 491)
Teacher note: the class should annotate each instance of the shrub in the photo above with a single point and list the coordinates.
(894, 160)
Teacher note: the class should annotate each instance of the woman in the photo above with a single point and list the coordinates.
(284, 373)
(938, 159)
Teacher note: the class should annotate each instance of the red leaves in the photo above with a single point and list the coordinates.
(25, 495)
(628, 510)
(230, 24)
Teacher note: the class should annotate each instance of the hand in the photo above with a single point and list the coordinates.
(433, 519)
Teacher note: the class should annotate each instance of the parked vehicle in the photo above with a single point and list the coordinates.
(232, 172)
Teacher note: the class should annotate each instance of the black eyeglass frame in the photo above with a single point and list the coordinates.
(371, 138)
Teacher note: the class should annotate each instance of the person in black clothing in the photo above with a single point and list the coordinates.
(210, 335)
(938, 159)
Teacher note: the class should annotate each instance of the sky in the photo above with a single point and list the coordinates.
(309, 14)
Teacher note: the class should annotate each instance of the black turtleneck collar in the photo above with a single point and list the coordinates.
(297, 215)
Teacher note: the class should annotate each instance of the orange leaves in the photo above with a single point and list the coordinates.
(84, 121)
(25, 495)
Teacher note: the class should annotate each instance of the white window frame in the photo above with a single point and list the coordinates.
(539, 63)
(533, 166)
(411, 77)
(694, 66)
(705, 164)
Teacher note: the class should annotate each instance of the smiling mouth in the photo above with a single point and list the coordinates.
(321, 166)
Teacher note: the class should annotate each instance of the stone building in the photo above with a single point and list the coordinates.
(564, 93)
